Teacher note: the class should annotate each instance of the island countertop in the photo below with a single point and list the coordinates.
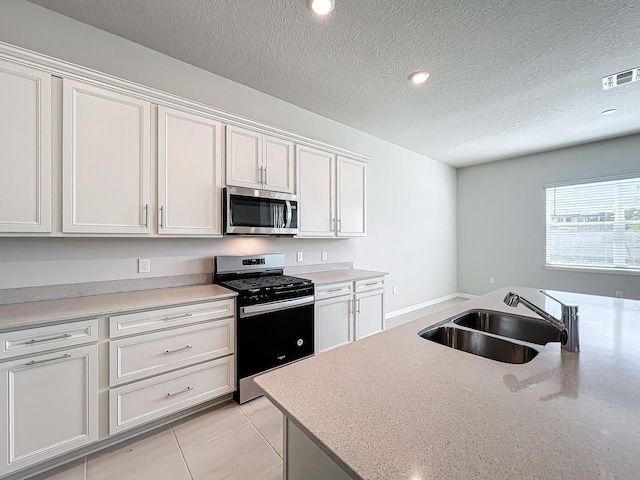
(397, 406)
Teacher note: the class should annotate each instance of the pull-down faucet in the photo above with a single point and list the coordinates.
(568, 323)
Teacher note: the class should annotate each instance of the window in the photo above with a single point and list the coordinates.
(595, 225)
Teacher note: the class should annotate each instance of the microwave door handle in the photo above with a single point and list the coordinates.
(288, 220)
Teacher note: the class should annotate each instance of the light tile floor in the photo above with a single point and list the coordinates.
(229, 441)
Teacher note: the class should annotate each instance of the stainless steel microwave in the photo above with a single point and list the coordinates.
(259, 212)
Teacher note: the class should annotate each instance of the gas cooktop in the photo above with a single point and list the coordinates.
(263, 283)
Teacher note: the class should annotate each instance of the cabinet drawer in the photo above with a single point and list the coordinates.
(138, 357)
(371, 284)
(160, 319)
(146, 400)
(335, 290)
(42, 339)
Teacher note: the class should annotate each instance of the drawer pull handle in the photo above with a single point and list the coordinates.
(36, 362)
(48, 339)
(370, 284)
(176, 317)
(335, 290)
(169, 395)
(169, 352)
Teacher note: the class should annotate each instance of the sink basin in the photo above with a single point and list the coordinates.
(509, 326)
(479, 344)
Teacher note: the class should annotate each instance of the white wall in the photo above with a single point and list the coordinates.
(501, 218)
(411, 203)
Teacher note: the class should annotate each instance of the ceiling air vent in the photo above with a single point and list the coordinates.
(621, 78)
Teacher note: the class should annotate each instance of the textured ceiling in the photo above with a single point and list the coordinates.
(508, 77)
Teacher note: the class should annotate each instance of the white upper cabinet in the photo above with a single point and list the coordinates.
(25, 149)
(352, 195)
(106, 161)
(332, 195)
(278, 164)
(259, 161)
(244, 158)
(189, 174)
(316, 188)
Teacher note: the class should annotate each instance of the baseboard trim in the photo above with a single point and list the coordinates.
(466, 295)
(412, 308)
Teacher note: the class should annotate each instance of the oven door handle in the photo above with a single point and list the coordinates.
(275, 306)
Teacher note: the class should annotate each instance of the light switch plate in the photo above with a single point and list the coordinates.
(324, 256)
(300, 256)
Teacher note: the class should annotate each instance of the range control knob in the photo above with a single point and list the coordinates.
(300, 342)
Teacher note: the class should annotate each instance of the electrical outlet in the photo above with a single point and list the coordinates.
(619, 294)
(300, 256)
(492, 280)
(395, 290)
(144, 265)
(324, 256)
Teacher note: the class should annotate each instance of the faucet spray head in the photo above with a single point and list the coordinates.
(512, 299)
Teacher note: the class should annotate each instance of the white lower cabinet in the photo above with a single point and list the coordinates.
(69, 385)
(369, 313)
(177, 357)
(49, 406)
(141, 402)
(348, 311)
(334, 326)
(142, 356)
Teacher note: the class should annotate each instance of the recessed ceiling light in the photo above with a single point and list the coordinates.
(419, 77)
(610, 111)
(321, 7)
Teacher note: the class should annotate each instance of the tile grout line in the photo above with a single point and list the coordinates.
(265, 439)
(260, 433)
(186, 464)
(232, 429)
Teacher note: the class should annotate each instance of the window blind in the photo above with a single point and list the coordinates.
(595, 224)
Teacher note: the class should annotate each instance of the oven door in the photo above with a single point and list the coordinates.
(260, 212)
(274, 334)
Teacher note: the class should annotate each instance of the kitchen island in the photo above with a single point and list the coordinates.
(397, 406)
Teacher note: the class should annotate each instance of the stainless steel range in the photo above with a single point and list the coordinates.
(274, 312)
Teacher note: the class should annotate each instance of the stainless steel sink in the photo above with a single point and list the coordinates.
(480, 344)
(509, 326)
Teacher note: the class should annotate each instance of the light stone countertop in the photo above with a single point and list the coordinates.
(339, 276)
(24, 315)
(397, 406)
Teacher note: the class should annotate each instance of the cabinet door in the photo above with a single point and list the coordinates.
(189, 173)
(278, 164)
(106, 161)
(352, 198)
(333, 323)
(49, 406)
(244, 158)
(25, 149)
(369, 313)
(316, 188)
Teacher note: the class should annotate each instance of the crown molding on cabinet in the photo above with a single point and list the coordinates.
(69, 70)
